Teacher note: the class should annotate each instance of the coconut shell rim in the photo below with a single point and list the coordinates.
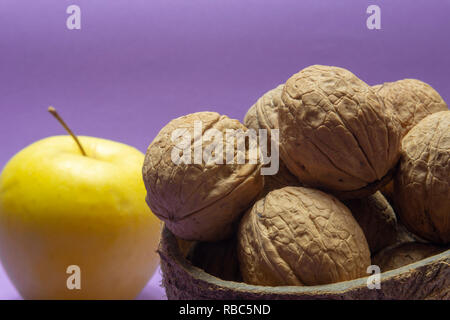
(169, 246)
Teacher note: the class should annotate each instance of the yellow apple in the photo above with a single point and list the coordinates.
(59, 208)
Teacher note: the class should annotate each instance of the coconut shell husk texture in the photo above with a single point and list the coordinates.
(426, 279)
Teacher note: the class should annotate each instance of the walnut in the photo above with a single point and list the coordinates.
(264, 115)
(300, 236)
(376, 87)
(335, 132)
(410, 100)
(405, 236)
(283, 178)
(217, 258)
(376, 218)
(404, 254)
(200, 200)
(422, 183)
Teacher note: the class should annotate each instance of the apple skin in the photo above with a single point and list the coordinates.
(60, 208)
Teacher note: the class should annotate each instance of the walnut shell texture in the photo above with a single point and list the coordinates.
(404, 254)
(300, 236)
(264, 115)
(422, 183)
(335, 132)
(376, 218)
(410, 100)
(283, 178)
(199, 201)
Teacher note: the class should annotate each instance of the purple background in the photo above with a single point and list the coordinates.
(135, 65)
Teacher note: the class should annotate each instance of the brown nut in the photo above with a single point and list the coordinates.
(410, 100)
(405, 236)
(376, 87)
(300, 236)
(335, 132)
(264, 115)
(199, 201)
(376, 218)
(217, 258)
(283, 178)
(404, 254)
(422, 183)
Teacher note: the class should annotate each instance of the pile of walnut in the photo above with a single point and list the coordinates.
(321, 219)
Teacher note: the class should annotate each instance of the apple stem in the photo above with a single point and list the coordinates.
(61, 121)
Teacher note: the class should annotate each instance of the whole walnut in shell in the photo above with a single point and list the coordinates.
(335, 133)
(300, 236)
(404, 254)
(264, 115)
(200, 200)
(410, 100)
(376, 218)
(422, 182)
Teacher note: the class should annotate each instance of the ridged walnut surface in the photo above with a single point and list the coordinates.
(300, 236)
(282, 179)
(199, 201)
(335, 132)
(404, 254)
(426, 279)
(264, 115)
(376, 218)
(422, 183)
(410, 100)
